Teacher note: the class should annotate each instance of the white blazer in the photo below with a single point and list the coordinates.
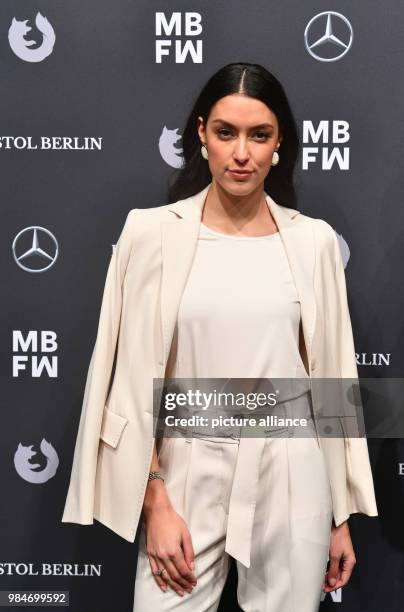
(146, 277)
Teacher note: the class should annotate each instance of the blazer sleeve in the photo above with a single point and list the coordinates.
(360, 488)
(80, 496)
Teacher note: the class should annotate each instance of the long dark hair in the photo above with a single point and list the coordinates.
(257, 82)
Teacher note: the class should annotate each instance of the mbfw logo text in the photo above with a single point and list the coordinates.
(27, 353)
(181, 26)
(323, 144)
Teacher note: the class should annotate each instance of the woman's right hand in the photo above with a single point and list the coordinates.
(169, 546)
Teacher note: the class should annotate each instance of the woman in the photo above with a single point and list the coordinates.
(186, 283)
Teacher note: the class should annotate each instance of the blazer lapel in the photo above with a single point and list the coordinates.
(299, 244)
(179, 237)
(178, 244)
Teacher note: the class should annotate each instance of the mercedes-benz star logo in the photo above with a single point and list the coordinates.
(26, 247)
(329, 46)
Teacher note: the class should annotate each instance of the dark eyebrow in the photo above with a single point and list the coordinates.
(261, 125)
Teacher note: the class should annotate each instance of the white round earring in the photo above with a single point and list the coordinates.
(275, 158)
(204, 152)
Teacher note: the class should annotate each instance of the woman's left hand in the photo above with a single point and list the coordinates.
(342, 558)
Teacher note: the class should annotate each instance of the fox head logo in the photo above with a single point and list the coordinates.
(345, 251)
(28, 471)
(21, 46)
(167, 146)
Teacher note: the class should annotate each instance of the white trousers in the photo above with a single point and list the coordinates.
(291, 529)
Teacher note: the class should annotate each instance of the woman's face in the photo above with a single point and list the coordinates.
(241, 134)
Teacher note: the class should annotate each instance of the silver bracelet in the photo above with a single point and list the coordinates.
(155, 474)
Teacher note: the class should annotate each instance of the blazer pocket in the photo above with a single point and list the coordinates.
(112, 427)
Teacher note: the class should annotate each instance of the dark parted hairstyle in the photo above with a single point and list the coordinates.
(251, 80)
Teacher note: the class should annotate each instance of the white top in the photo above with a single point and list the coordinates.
(239, 313)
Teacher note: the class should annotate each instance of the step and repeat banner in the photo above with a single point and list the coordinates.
(94, 97)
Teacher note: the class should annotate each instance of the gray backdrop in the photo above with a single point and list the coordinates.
(92, 72)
